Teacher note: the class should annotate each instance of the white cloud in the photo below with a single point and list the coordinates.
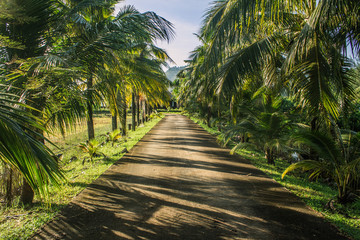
(186, 15)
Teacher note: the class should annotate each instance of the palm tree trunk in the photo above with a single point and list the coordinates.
(314, 127)
(119, 106)
(143, 112)
(146, 110)
(133, 111)
(123, 122)
(208, 116)
(123, 119)
(27, 194)
(8, 188)
(138, 109)
(269, 156)
(114, 122)
(232, 113)
(124, 116)
(90, 117)
(219, 115)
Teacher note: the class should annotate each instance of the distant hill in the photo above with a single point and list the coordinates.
(172, 72)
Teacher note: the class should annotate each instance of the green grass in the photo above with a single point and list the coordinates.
(102, 124)
(315, 194)
(21, 222)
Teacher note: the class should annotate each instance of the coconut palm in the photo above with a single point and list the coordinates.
(92, 148)
(21, 151)
(138, 72)
(114, 136)
(339, 159)
(27, 31)
(264, 129)
(145, 76)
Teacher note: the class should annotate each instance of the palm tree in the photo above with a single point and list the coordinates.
(92, 148)
(137, 72)
(114, 136)
(339, 159)
(27, 32)
(21, 151)
(265, 129)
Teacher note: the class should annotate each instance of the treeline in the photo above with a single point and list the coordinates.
(60, 60)
(281, 77)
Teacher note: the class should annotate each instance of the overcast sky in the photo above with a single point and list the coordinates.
(186, 15)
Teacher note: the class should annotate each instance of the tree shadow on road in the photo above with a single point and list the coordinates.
(217, 196)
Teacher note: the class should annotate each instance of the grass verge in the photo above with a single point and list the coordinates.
(21, 222)
(315, 194)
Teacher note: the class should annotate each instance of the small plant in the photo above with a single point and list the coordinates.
(92, 148)
(265, 132)
(156, 114)
(114, 137)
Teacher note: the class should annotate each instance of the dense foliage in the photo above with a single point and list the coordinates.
(281, 77)
(60, 60)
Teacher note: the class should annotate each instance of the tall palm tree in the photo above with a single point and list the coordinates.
(137, 71)
(146, 76)
(98, 34)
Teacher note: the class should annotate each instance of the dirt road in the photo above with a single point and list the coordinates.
(178, 184)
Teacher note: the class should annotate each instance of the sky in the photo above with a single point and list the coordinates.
(186, 15)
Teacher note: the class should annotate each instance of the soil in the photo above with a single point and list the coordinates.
(177, 183)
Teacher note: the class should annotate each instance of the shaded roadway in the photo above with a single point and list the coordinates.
(177, 183)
